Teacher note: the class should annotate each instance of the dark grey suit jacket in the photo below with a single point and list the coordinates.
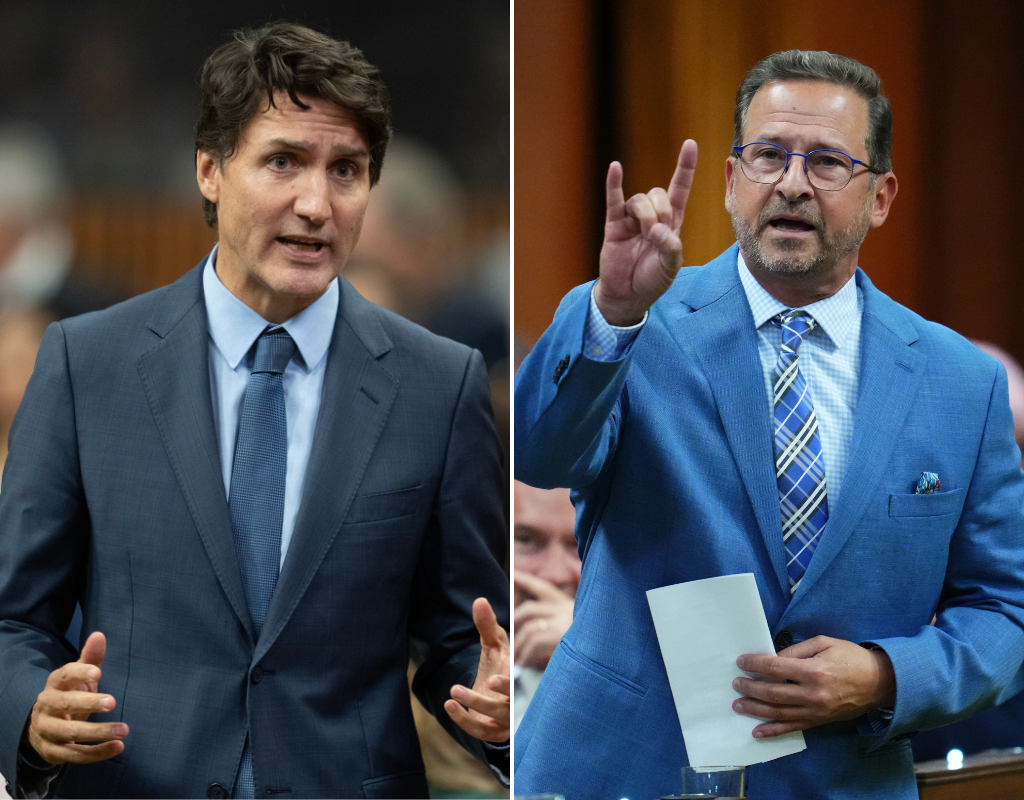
(112, 495)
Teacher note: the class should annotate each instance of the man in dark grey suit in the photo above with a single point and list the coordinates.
(263, 490)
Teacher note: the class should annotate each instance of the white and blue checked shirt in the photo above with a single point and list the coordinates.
(829, 360)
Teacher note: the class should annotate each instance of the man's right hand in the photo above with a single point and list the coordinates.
(642, 251)
(57, 726)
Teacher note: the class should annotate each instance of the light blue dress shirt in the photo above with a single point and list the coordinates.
(829, 359)
(234, 328)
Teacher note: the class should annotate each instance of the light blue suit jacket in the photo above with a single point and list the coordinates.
(669, 451)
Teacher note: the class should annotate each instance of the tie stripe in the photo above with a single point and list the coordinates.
(799, 464)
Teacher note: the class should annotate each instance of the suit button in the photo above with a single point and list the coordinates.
(783, 639)
(257, 674)
(216, 792)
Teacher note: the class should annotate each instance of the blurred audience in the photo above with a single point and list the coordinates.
(546, 577)
(1003, 726)
(37, 265)
(414, 237)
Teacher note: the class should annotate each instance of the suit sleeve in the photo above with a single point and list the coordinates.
(44, 533)
(568, 408)
(970, 659)
(460, 559)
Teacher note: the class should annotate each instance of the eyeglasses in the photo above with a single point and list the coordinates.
(828, 170)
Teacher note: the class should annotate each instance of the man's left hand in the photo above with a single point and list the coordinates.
(487, 706)
(827, 680)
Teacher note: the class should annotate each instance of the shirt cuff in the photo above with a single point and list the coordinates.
(35, 774)
(605, 342)
(499, 753)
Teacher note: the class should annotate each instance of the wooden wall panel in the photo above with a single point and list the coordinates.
(553, 205)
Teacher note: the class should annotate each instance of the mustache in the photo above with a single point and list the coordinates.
(777, 206)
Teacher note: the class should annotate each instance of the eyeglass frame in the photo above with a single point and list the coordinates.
(737, 151)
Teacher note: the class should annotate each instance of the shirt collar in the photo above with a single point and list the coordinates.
(835, 315)
(234, 326)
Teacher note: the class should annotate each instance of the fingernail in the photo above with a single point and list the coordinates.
(120, 730)
(758, 735)
(736, 684)
(458, 692)
(107, 703)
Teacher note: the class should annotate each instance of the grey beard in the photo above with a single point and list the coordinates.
(832, 248)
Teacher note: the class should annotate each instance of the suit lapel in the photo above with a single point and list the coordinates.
(357, 397)
(890, 372)
(176, 377)
(720, 334)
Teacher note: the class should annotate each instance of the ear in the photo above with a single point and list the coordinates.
(884, 193)
(730, 175)
(208, 175)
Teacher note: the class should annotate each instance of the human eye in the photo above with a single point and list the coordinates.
(347, 170)
(767, 153)
(279, 161)
(525, 541)
(830, 160)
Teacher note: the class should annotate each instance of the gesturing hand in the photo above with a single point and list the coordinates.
(830, 679)
(57, 726)
(642, 252)
(540, 623)
(487, 706)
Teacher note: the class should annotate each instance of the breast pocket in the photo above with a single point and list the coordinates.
(938, 504)
(384, 505)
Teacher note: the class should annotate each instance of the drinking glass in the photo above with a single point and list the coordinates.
(725, 783)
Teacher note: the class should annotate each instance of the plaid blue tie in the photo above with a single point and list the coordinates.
(256, 500)
(799, 464)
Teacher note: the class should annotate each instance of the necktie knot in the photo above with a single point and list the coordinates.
(274, 349)
(795, 325)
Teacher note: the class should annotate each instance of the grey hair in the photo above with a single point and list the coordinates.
(819, 65)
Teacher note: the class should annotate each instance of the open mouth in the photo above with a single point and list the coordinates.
(301, 244)
(790, 225)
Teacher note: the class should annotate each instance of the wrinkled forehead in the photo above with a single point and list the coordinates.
(820, 112)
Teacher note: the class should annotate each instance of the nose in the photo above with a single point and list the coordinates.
(562, 568)
(313, 198)
(794, 182)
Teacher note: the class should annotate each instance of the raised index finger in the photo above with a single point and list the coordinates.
(614, 199)
(682, 181)
(73, 675)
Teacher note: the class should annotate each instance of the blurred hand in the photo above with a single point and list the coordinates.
(487, 711)
(539, 623)
(58, 727)
(642, 252)
(830, 679)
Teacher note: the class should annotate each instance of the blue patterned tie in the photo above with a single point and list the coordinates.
(799, 463)
(256, 500)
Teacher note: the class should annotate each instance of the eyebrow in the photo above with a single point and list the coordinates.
(336, 152)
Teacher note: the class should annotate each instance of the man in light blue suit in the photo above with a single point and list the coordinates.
(265, 492)
(772, 412)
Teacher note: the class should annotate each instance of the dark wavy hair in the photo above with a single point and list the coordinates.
(284, 57)
(820, 65)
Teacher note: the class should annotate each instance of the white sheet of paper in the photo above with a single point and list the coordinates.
(703, 627)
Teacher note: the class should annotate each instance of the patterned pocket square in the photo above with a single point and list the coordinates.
(928, 484)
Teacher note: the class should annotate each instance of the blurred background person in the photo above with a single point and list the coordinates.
(414, 236)
(546, 577)
(37, 251)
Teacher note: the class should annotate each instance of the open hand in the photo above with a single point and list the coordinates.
(539, 623)
(642, 251)
(829, 680)
(487, 711)
(57, 726)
